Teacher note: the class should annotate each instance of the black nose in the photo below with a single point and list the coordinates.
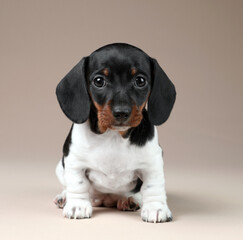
(121, 114)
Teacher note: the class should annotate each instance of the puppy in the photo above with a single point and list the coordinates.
(112, 157)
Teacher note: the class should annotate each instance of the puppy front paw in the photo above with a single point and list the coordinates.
(77, 209)
(156, 212)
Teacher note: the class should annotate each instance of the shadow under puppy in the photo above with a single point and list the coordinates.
(111, 156)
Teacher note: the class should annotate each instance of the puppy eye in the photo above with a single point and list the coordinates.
(140, 82)
(99, 82)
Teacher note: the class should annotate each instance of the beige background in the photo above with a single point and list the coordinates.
(198, 44)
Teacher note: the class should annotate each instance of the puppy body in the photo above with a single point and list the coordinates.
(112, 165)
(109, 154)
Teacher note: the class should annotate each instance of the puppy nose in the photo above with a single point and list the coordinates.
(121, 114)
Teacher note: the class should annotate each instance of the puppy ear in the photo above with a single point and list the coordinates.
(72, 94)
(162, 97)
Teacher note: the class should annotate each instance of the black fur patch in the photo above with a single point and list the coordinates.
(63, 163)
(143, 132)
(66, 146)
(138, 186)
(93, 119)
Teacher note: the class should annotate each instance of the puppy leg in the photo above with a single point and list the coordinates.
(128, 202)
(110, 200)
(78, 204)
(154, 208)
(60, 199)
(60, 173)
(97, 198)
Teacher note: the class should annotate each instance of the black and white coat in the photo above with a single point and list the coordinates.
(120, 167)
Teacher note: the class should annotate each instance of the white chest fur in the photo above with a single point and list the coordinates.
(112, 162)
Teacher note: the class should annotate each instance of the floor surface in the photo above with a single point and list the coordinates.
(203, 207)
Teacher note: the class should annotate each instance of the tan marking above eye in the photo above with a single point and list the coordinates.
(106, 72)
(133, 71)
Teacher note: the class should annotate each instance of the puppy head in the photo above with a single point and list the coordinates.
(118, 79)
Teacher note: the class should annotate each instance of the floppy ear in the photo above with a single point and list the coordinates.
(162, 97)
(72, 94)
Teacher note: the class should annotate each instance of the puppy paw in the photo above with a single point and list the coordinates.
(156, 212)
(127, 204)
(77, 209)
(60, 200)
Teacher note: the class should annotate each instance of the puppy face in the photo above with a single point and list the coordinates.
(117, 80)
(119, 83)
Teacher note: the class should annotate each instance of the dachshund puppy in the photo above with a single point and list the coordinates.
(112, 157)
